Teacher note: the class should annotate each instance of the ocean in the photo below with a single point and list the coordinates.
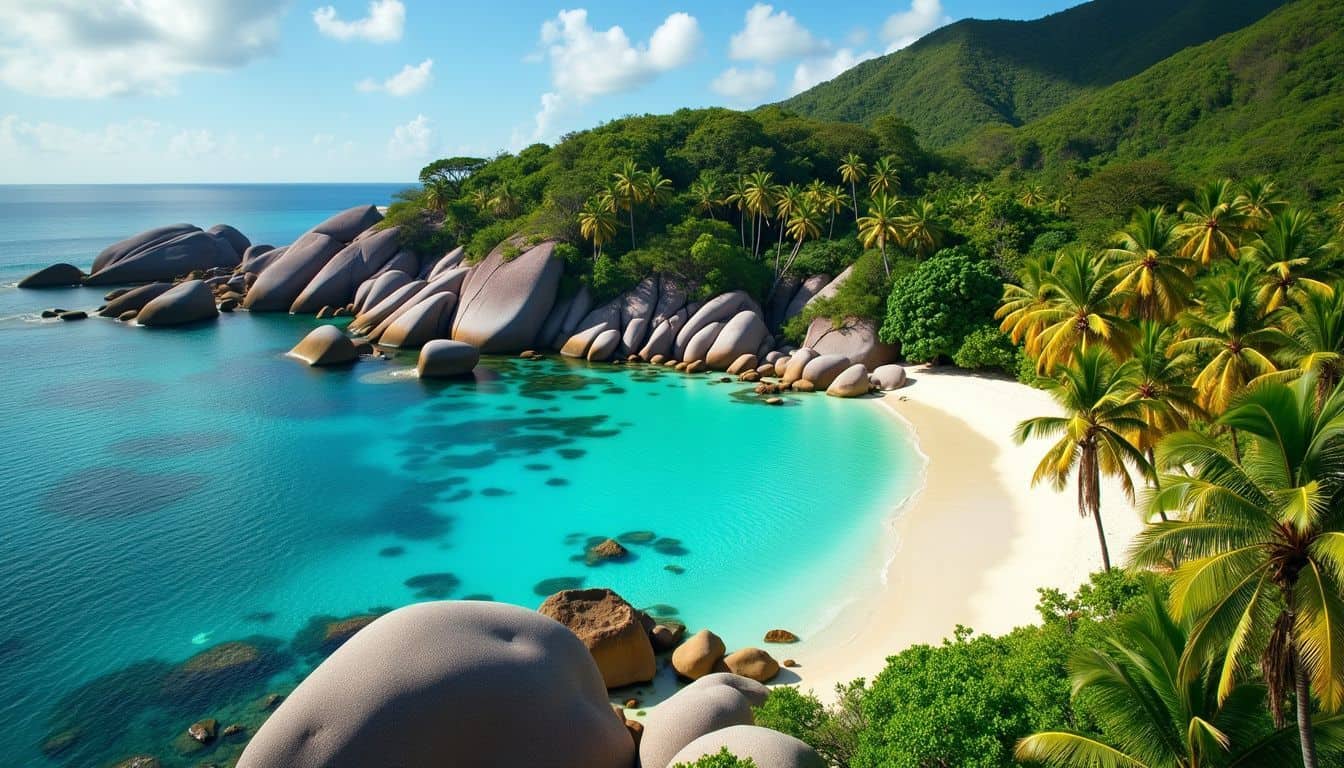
(168, 493)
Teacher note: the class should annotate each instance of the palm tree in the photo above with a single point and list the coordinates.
(1153, 717)
(705, 194)
(438, 193)
(1081, 308)
(1262, 549)
(657, 188)
(853, 170)
(1336, 212)
(737, 198)
(1094, 391)
(815, 190)
(1230, 331)
(804, 222)
(787, 200)
(1162, 388)
(480, 199)
(833, 200)
(629, 192)
(503, 201)
(1213, 224)
(880, 226)
(1155, 279)
(1315, 330)
(1032, 196)
(1021, 305)
(597, 223)
(1289, 257)
(883, 180)
(1059, 205)
(1260, 201)
(760, 200)
(921, 228)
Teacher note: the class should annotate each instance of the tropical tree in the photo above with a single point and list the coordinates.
(1315, 331)
(503, 201)
(1094, 392)
(1213, 223)
(881, 226)
(597, 223)
(737, 198)
(705, 194)
(1336, 212)
(760, 201)
(804, 223)
(629, 191)
(788, 198)
(853, 170)
(921, 228)
(1080, 309)
(1290, 259)
(1032, 196)
(884, 179)
(1229, 330)
(1154, 717)
(1162, 388)
(480, 200)
(1022, 302)
(1260, 201)
(657, 188)
(832, 201)
(1154, 278)
(1261, 543)
(438, 193)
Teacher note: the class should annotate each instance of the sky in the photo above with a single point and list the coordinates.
(111, 91)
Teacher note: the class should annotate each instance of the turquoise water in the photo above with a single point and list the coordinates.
(165, 491)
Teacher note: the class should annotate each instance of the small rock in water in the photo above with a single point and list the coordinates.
(789, 663)
(77, 314)
(270, 701)
(780, 636)
(203, 730)
(128, 315)
(632, 703)
(608, 549)
(50, 313)
(233, 730)
(60, 742)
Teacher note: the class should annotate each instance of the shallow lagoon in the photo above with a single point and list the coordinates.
(162, 492)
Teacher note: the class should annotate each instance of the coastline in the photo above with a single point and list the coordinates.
(973, 543)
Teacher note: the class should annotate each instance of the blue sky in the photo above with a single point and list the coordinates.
(95, 91)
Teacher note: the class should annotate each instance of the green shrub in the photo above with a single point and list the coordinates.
(833, 731)
(724, 759)
(932, 308)
(860, 295)
(486, 238)
(987, 348)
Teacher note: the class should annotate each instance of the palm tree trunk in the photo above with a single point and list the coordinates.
(1302, 692)
(1157, 485)
(885, 265)
(1089, 492)
(760, 225)
(854, 198)
(779, 248)
(830, 235)
(632, 225)
(1236, 445)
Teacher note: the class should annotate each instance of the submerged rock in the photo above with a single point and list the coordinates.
(54, 276)
(611, 630)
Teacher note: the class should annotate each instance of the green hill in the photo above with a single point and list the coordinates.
(1267, 99)
(974, 73)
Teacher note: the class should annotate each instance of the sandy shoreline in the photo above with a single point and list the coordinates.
(973, 545)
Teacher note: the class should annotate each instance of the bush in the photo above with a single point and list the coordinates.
(858, 296)
(987, 348)
(933, 308)
(487, 237)
(828, 257)
(724, 759)
(832, 731)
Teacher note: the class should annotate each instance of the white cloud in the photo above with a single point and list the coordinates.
(189, 145)
(902, 29)
(53, 138)
(744, 86)
(101, 48)
(819, 69)
(587, 63)
(384, 24)
(412, 140)
(411, 79)
(771, 37)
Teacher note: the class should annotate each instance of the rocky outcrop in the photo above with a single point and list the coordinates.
(450, 260)
(446, 283)
(236, 240)
(888, 377)
(348, 224)
(370, 318)
(762, 746)
(187, 302)
(445, 359)
(611, 630)
(280, 283)
(805, 293)
(852, 382)
(165, 259)
(604, 346)
(741, 335)
(462, 683)
(54, 276)
(379, 288)
(335, 283)
(146, 240)
(325, 345)
(664, 337)
(636, 310)
(698, 347)
(428, 320)
(856, 339)
(823, 369)
(699, 655)
(134, 300)
(579, 344)
(797, 363)
(718, 309)
(504, 302)
(709, 704)
(257, 258)
(753, 663)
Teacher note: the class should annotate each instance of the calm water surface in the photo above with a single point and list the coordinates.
(166, 491)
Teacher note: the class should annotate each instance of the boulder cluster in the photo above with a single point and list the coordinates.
(479, 683)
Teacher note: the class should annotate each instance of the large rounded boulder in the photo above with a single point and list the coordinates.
(236, 240)
(137, 243)
(852, 382)
(188, 302)
(449, 683)
(855, 338)
(446, 359)
(888, 377)
(505, 301)
(280, 284)
(823, 369)
(701, 654)
(610, 628)
(762, 746)
(428, 320)
(325, 345)
(709, 704)
(348, 224)
(166, 259)
(134, 299)
(54, 276)
(741, 335)
(335, 283)
(717, 310)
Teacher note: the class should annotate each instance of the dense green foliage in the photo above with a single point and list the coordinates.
(973, 73)
(724, 759)
(935, 306)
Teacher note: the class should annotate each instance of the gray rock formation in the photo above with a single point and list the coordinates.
(578, 309)
(717, 309)
(671, 299)
(741, 335)
(762, 746)
(888, 377)
(823, 369)
(257, 258)
(449, 261)
(136, 243)
(664, 336)
(503, 303)
(779, 300)
(429, 319)
(165, 259)
(54, 276)
(852, 382)
(370, 318)
(604, 346)
(578, 344)
(449, 683)
(699, 345)
(856, 339)
(335, 283)
(636, 310)
(187, 302)
(236, 240)
(380, 287)
(450, 282)
(709, 704)
(810, 288)
(445, 359)
(550, 327)
(325, 345)
(134, 300)
(280, 283)
(348, 224)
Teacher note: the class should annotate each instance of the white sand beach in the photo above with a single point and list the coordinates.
(975, 543)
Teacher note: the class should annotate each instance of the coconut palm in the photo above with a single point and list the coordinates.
(1261, 542)
(853, 170)
(815, 189)
(597, 223)
(804, 223)
(1315, 330)
(705, 194)
(480, 200)
(1290, 258)
(1032, 196)
(1059, 205)
(629, 192)
(760, 200)
(1260, 201)
(1019, 309)
(921, 228)
(1094, 392)
(438, 193)
(737, 198)
(832, 201)
(883, 180)
(657, 188)
(1161, 387)
(787, 200)
(1148, 270)
(1152, 716)
(503, 201)
(1229, 330)
(1081, 308)
(1336, 212)
(880, 226)
(1212, 223)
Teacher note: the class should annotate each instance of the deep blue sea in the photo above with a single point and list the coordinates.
(163, 492)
